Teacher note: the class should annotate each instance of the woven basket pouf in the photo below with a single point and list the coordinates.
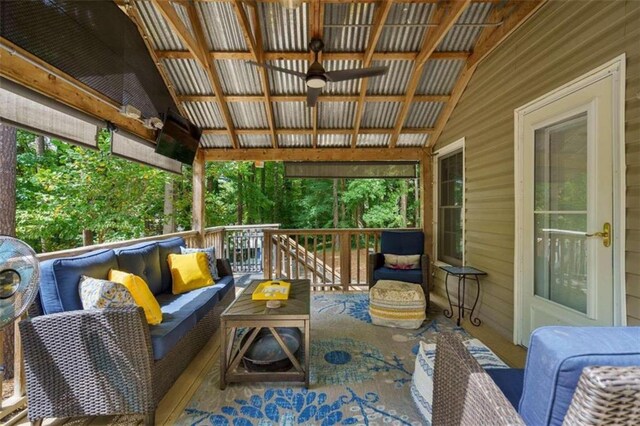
(397, 304)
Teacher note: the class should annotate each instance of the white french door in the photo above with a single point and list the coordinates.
(566, 161)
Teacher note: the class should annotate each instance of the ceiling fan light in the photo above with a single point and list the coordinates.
(290, 4)
(316, 82)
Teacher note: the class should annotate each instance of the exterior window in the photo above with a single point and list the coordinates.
(450, 207)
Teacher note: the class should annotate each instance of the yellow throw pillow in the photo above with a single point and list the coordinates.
(143, 297)
(189, 272)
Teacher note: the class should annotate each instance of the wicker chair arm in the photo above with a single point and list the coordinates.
(463, 393)
(224, 267)
(376, 260)
(88, 363)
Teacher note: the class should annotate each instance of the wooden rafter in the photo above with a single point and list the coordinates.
(316, 28)
(328, 56)
(131, 10)
(321, 98)
(31, 72)
(382, 11)
(197, 46)
(446, 15)
(489, 39)
(313, 154)
(256, 49)
(359, 1)
(343, 131)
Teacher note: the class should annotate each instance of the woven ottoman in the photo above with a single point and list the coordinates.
(397, 304)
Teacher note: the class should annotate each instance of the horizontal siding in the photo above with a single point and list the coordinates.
(561, 42)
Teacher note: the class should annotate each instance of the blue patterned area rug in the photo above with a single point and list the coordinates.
(360, 374)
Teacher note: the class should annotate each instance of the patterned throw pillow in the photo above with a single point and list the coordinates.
(211, 258)
(100, 294)
(396, 261)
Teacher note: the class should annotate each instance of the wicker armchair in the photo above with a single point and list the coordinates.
(464, 394)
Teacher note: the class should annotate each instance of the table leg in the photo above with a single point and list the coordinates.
(475, 321)
(447, 313)
(223, 354)
(460, 300)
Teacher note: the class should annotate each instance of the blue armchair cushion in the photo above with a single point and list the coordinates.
(406, 275)
(142, 260)
(170, 331)
(224, 284)
(555, 361)
(200, 301)
(402, 242)
(509, 380)
(60, 278)
(165, 248)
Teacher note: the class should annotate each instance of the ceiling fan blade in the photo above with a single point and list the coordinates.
(285, 70)
(312, 96)
(342, 75)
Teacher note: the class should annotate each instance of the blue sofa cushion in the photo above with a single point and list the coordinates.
(142, 260)
(402, 242)
(165, 248)
(509, 380)
(170, 331)
(200, 301)
(406, 275)
(59, 278)
(224, 284)
(555, 361)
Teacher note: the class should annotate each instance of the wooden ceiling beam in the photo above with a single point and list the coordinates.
(328, 56)
(254, 41)
(382, 11)
(197, 46)
(447, 15)
(348, 1)
(489, 39)
(368, 131)
(313, 154)
(322, 98)
(31, 72)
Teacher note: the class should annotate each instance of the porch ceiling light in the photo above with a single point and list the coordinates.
(316, 81)
(290, 4)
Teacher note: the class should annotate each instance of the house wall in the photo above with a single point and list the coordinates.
(561, 42)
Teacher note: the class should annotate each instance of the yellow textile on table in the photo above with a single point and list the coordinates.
(397, 304)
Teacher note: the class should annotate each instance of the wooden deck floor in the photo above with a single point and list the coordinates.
(187, 384)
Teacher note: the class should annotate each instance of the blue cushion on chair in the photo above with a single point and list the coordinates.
(142, 260)
(165, 248)
(170, 331)
(509, 380)
(200, 301)
(224, 284)
(59, 278)
(406, 275)
(402, 242)
(555, 361)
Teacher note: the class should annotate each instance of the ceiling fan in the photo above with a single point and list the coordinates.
(316, 77)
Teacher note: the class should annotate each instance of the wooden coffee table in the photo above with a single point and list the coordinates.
(245, 312)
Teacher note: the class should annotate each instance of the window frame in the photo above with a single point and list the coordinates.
(446, 151)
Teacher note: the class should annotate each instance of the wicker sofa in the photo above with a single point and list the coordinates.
(110, 361)
(573, 376)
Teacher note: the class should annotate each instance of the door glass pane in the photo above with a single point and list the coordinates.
(560, 212)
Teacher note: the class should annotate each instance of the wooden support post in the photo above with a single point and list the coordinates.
(266, 254)
(197, 217)
(345, 261)
(427, 200)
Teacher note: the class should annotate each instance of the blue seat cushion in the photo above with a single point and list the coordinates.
(170, 331)
(142, 260)
(402, 242)
(199, 301)
(556, 358)
(165, 248)
(59, 278)
(225, 284)
(509, 380)
(406, 275)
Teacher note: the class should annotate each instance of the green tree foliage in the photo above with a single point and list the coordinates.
(67, 189)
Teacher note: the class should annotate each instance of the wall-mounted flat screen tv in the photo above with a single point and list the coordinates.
(178, 139)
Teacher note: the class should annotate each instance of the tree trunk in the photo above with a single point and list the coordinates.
(240, 208)
(403, 203)
(343, 207)
(40, 145)
(416, 197)
(251, 206)
(8, 160)
(336, 212)
(169, 213)
(263, 183)
(87, 237)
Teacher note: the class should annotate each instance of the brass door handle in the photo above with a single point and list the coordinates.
(605, 234)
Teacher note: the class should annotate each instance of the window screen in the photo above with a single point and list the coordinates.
(450, 199)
